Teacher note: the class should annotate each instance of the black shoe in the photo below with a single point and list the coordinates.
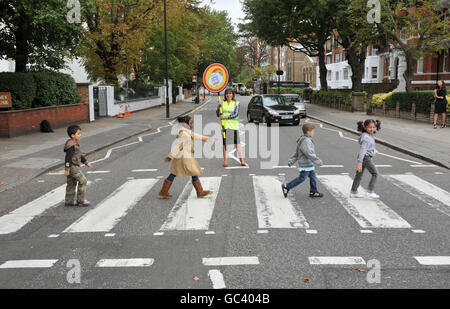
(285, 190)
(71, 204)
(84, 203)
(315, 194)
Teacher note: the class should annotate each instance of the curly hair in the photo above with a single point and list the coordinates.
(362, 125)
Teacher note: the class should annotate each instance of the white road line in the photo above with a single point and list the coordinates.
(111, 263)
(369, 213)
(439, 173)
(400, 159)
(55, 173)
(329, 166)
(383, 165)
(105, 216)
(99, 172)
(274, 210)
(428, 193)
(158, 234)
(231, 261)
(346, 260)
(53, 236)
(15, 220)
(263, 232)
(237, 167)
(433, 260)
(190, 212)
(210, 233)
(110, 235)
(216, 279)
(366, 232)
(284, 167)
(418, 231)
(311, 232)
(426, 166)
(28, 264)
(144, 170)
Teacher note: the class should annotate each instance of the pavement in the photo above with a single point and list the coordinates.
(26, 157)
(415, 138)
(246, 235)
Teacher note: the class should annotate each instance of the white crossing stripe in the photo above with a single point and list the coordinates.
(125, 263)
(144, 170)
(231, 261)
(15, 220)
(105, 216)
(336, 260)
(325, 166)
(28, 264)
(428, 193)
(424, 166)
(274, 210)
(190, 212)
(433, 260)
(99, 172)
(216, 279)
(369, 213)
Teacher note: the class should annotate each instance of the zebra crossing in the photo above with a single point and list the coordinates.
(271, 209)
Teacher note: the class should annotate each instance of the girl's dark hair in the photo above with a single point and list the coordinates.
(443, 85)
(230, 90)
(362, 125)
(184, 119)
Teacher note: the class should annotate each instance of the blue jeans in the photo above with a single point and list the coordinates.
(303, 175)
(171, 178)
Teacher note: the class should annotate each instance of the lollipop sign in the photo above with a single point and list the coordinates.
(216, 77)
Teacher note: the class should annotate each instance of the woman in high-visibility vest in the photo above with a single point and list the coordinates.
(228, 112)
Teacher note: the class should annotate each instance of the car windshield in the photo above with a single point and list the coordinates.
(274, 100)
(293, 99)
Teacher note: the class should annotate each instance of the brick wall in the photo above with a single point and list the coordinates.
(15, 123)
(83, 92)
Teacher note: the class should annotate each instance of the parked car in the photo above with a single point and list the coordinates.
(272, 109)
(298, 102)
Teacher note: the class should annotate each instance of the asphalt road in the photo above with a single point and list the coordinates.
(245, 236)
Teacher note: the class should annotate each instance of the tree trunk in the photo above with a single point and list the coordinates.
(22, 48)
(357, 62)
(322, 67)
(409, 73)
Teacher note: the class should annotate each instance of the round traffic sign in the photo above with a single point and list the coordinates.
(216, 77)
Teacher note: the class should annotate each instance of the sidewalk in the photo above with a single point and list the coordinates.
(26, 157)
(412, 137)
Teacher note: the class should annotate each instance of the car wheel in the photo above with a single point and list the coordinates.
(249, 118)
(296, 123)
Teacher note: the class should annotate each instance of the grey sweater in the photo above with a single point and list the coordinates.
(367, 147)
(305, 153)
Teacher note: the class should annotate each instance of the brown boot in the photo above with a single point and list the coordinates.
(200, 192)
(164, 193)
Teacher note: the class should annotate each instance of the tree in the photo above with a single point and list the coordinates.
(254, 52)
(36, 33)
(415, 28)
(280, 22)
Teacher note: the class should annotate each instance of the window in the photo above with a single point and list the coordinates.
(337, 75)
(374, 51)
(338, 58)
(374, 72)
(345, 74)
(329, 75)
(420, 65)
(329, 59)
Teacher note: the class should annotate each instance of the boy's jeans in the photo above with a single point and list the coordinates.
(303, 175)
(75, 177)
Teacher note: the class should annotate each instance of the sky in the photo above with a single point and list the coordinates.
(233, 7)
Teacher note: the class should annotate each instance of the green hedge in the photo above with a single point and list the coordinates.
(22, 87)
(39, 89)
(328, 96)
(54, 89)
(423, 99)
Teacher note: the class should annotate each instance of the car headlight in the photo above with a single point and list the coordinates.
(297, 111)
(272, 112)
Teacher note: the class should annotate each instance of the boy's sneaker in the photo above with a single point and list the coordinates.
(372, 195)
(356, 195)
(315, 194)
(84, 203)
(285, 190)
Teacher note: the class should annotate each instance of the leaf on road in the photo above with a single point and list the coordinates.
(196, 278)
(1, 183)
(258, 255)
(306, 280)
(236, 250)
(388, 277)
(191, 217)
(250, 251)
(361, 270)
(197, 240)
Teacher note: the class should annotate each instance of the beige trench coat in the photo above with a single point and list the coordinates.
(182, 154)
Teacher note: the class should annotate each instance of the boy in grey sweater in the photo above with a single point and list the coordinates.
(306, 157)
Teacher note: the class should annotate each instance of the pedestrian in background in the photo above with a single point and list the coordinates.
(230, 117)
(366, 153)
(75, 177)
(182, 158)
(440, 94)
(306, 157)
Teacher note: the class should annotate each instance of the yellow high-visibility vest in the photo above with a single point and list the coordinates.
(228, 109)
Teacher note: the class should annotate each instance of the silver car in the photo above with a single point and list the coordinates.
(297, 101)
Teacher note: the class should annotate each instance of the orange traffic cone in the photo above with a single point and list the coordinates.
(120, 113)
(127, 112)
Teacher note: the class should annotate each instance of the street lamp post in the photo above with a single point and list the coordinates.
(167, 61)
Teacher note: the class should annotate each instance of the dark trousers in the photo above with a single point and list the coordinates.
(369, 165)
(303, 176)
(171, 178)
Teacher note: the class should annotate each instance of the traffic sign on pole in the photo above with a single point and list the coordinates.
(216, 77)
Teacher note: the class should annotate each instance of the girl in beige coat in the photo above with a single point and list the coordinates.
(182, 158)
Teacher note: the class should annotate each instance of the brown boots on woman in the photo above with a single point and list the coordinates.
(164, 193)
